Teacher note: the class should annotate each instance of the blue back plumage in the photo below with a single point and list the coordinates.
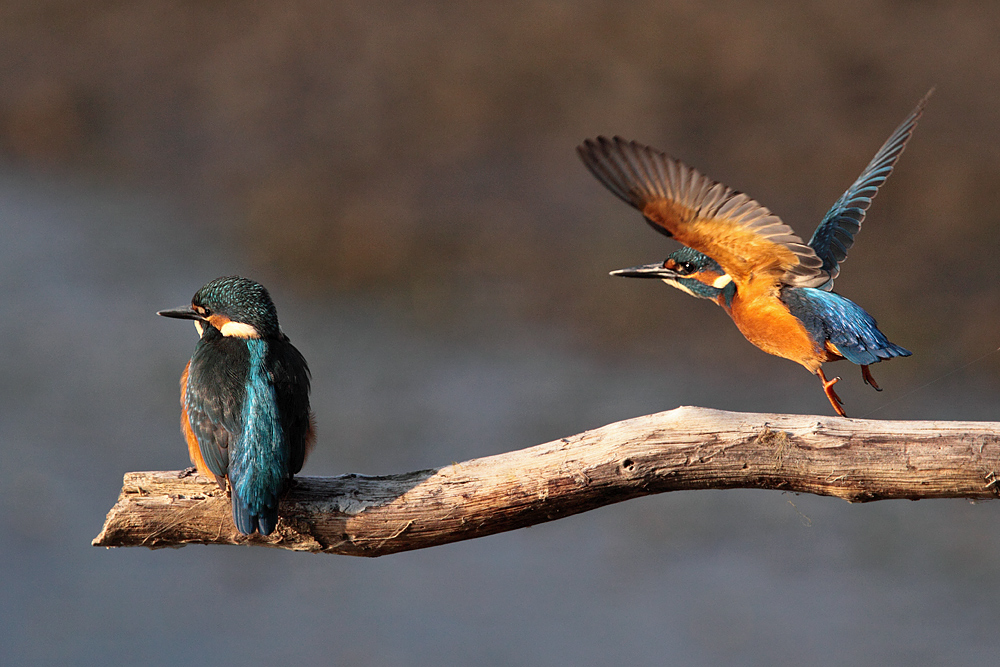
(835, 234)
(258, 461)
(829, 316)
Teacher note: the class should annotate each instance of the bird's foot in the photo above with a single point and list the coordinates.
(187, 472)
(835, 401)
(867, 375)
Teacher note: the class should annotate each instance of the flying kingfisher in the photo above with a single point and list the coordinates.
(244, 399)
(776, 288)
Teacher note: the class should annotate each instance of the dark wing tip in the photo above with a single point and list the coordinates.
(634, 172)
(923, 101)
(835, 234)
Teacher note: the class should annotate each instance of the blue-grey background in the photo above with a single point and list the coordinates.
(402, 177)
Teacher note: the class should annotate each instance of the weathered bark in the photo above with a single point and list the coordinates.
(686, 448)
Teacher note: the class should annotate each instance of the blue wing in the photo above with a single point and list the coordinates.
(845, 324)
(258, 460)
(835, 234)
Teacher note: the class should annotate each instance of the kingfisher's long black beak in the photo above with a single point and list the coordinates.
(646, 271)
(183, 313)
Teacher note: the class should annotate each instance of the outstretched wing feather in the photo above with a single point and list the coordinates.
(743, 236)
(835, 234)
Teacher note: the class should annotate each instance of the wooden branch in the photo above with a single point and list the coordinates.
(686, 448)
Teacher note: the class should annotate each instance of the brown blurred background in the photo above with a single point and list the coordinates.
(423, 153)
(402, 176)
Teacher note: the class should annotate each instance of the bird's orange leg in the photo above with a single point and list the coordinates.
(867, 375)
(830, 393)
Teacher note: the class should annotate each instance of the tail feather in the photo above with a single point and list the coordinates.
(248, 522)
(866, 353)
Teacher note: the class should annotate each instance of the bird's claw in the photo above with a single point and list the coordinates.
(835, 400)
(867, 376)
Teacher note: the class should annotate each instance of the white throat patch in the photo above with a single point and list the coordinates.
(679, 285)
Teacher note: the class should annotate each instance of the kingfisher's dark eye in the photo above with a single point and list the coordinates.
(685, 267)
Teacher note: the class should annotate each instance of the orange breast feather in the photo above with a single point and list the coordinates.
(765, 321)
(194, 451)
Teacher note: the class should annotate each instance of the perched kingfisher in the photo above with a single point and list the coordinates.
(776, 288)
(244, 399)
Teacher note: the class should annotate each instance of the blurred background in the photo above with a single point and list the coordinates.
(402, 176)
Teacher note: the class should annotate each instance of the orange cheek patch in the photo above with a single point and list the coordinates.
(705, 277)
(218, 321)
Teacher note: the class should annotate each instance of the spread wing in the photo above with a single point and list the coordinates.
(214, 398)
(741, 235)
(835, 234)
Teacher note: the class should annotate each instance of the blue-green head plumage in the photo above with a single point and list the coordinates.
(241, 300)
(690, 271)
